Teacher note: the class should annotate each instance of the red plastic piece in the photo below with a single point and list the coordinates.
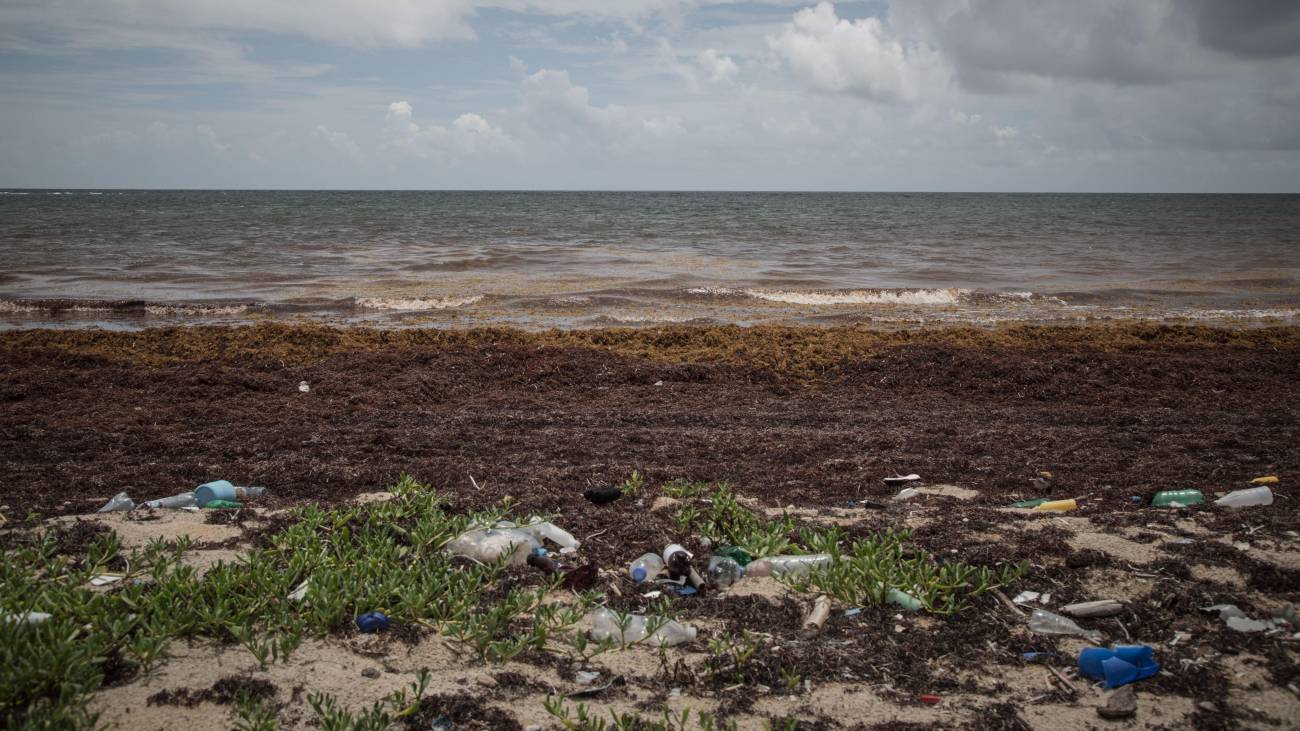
(931, 699)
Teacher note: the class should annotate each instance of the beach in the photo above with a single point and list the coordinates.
(798, 421)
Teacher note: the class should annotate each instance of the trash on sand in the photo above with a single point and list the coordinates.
(686, 590)
(907, 493)
(489, 544)
(723, 571)
(303, 386)
(1030, 597)
(1121, 704)
(1058, 505)
(1100, 608)
(735, 553)
(28, 618)
(1029, 503)
(441, 723)
(1045, 473)
(580, 578)
(605, 625)
(1246, 498)
(648, 566)
(787, 565)
(118, 502)
(930, 699)
(817, 616)
(1177, 498)
(677, 560)
(585, 677)
(1035, 656)
(589, 692)
(1047, 623)
(223, 505)
(224, 490)
(897, 480)
(546, 530)
(853, 611)
(105, 579)
(1239, 621)
(1118, 665)
(300, 591)
(372, 622)
(603, 495)
(1266, 480)
(179, 500)
(902, 599)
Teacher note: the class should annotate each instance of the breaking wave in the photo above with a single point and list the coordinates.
(415, 304)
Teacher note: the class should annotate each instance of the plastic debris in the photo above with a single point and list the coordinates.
(677, 560)
(441, 723)
(1181, 498)
(303, 386)
(119, 502)
(907, 493)
(897, 480)
(180, 500)
(1121, 704)
(105, 579)
(1029, 503)
(1058, 505)
(585, 677)
(1036, 656)
(372, 622)
(1100, 608)
(902, 599)
(930, 699)
(1045, 474)
(1118, 665)
(1239, 621)
(787, 565)
(735, 553)
(223, 505)
(1266, 480)
(606, 625)
(300, 591)
(224, 490)
(648, 566)
(548, 531)
(1027, 597)
(28, 618)
(817, 616)
(603, 495)
(1047, 623)
(853, 611)
(723, 571)
(490, 544)
(1246, 498)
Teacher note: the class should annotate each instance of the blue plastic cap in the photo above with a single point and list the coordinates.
(638, 574)
(372, 622)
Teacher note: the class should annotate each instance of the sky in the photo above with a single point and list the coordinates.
(929, 95)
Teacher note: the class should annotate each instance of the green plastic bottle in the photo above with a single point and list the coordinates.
(1182, 497)
(735, 553)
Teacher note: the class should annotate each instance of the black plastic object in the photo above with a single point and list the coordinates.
(602, 495)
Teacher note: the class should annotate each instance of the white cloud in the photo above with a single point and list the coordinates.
(717, 68)
(468, 134)
(340, 142)
(854, 56)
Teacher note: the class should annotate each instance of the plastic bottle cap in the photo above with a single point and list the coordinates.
(638, 574)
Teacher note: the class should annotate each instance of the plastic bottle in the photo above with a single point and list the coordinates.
(489, 544)
(648, 566)
(1029, 503)
(118, 502)
(677, 560)
(787, 565)
(903, 599)
(182, 500)
(724, 571)
(1058, 505)
(1182, 497)
(551, 532)
(1246, 498)
(735, 553)
(605, 625)
(1046, 623)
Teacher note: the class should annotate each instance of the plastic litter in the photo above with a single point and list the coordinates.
(1047, 623)
(735, 553)
(1118, 665)
(372, 622)
(1036, 656)
(441, 723)
(1246, 498)
(605, 625)
(28, 618)
(1168, 498)
(853, 611)
(1029, 503)
(677, 560)
(897, 480)
(1032, 597)
(303, 386)
(585, 677)
(907, 493)
(105, 579)
(223, 505)
(930, 699)
(1239, 621)
(1266, 480)
(180, 500)
(490, 544)
(904, 600)
(300, 591)
(603, 495)
(1058, 505)
(224, 490)
(648, 566)
(548, 531)
(117, 503)
(787, 565)
(723, 571)
(1100, 608)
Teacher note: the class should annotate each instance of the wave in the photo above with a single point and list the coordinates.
(415, 304)
(945, 296)
(128, 307)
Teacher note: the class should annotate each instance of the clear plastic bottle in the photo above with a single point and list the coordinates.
(724, 571)
(119, 502)
(647, 566)
(787, 565)
(243, 493)
(605, 625)
(1046, 623)
(181, 500)
(1246, 498)
(544, 530)
(489, 544)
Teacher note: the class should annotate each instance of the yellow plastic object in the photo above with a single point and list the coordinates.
(1270, 480)
(1045, 473)
(1059, 506)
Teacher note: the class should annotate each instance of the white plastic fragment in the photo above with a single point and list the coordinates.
(303, 386)
(586, 677)
(28, 618)
(299, 592)
(105, 579)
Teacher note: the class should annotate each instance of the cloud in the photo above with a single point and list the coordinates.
(1247, 28)
(859, 57)
(340, 142)
(717, 68)
(467, 135)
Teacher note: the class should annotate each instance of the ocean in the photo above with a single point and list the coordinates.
(139, 258)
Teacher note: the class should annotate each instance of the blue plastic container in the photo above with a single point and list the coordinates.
(372, 622)
(215, 490)
(1120, 665)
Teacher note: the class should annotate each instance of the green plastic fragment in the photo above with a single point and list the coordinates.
(906, 601)
(223, 505)
(1182, 497)
(735, 553)
(1029, 503)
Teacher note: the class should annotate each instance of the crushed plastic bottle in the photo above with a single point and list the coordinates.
(787, 565)
(1047, 623)
(1058, 505)
(647, 566)
(489, 544)
(1246, 498)
(1029, 503)
(119, 502)
(1168, 498)
(605, 625)
(544, 530)
(723, 571)
(181, 500)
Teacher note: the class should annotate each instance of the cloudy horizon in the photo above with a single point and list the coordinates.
(939, 95)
